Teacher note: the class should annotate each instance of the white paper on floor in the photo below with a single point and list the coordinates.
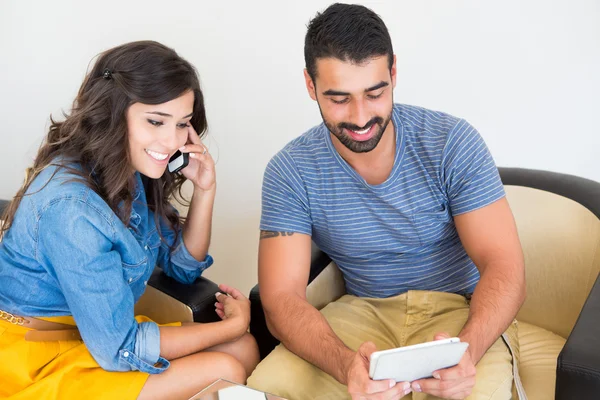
(240, 393)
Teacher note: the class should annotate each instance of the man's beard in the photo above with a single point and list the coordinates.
(355, 145)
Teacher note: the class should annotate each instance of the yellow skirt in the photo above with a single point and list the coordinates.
(60, 369)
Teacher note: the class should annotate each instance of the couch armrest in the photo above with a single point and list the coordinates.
(258, 324)
(578, 367)
(175, 301)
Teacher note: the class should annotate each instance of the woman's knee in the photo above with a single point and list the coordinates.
(190, 374)
(249, 348)
(244, 349)
(230, 368)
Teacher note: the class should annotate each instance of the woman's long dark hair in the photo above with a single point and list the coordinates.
(94, 134)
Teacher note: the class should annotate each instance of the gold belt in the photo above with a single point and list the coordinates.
(40, 330)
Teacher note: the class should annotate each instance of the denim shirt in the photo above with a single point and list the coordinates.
(68, 253)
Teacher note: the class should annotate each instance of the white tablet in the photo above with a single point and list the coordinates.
(409, 363)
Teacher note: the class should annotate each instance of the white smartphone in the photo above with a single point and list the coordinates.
(409, 363)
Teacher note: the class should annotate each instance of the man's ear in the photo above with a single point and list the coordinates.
(310, 85)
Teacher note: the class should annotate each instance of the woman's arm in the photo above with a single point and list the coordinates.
(198, 226)
(233, 307)
(201, 172)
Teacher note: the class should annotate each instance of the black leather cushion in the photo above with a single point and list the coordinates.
(199, 296)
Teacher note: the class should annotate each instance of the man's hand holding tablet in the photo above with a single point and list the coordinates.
(445, 359)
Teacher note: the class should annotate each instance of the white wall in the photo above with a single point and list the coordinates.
(526, 74)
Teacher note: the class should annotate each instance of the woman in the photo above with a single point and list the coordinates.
(82, 236)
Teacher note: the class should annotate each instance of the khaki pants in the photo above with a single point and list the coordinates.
(410, 318)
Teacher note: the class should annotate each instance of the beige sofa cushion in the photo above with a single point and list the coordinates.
(561, 241)
(328, 286)
(537, 366)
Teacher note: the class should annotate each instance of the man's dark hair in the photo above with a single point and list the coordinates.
(348, 32)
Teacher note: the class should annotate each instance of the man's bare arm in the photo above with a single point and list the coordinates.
(489, 235)
(283, 270)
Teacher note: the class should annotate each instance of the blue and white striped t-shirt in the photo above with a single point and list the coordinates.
(399, 235)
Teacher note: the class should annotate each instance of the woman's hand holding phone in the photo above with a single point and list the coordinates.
(201, 167)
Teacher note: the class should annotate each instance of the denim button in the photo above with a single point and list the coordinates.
(130, 280)
(145, 282)
(126, 354)
(146, 247)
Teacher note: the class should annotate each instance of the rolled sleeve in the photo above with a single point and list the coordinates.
(183, 259)
(146, 354)
(147, 342)
(136, 363)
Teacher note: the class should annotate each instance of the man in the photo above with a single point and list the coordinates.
(409, 204)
